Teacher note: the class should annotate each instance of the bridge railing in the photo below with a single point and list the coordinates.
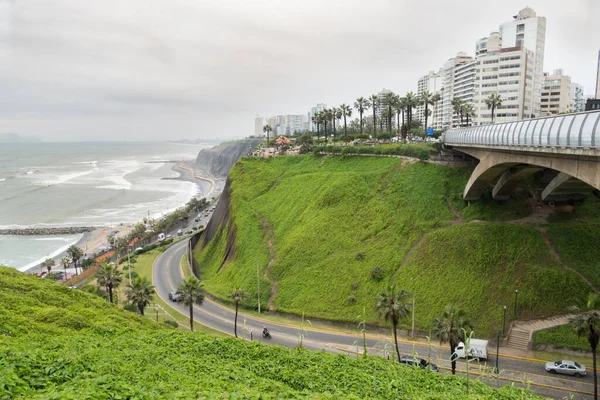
(576, 130)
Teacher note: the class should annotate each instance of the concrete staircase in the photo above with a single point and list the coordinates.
(521, 332)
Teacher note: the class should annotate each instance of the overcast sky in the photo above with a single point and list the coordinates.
(157, 69)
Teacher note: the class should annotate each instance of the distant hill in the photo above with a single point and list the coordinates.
(14, 138)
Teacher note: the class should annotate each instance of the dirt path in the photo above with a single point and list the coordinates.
(557, 258)
(408, 255)
(458, 219)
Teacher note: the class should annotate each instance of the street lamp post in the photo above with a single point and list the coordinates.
(516, 297)
(498, 352)
(504, 321)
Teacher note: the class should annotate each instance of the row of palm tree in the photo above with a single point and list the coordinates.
(451, 326)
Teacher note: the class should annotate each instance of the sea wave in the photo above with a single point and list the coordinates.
(51, 255)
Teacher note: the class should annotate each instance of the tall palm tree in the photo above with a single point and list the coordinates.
(65, 262)
(587, 323)
(388, 115)
(450, 327)
(426, 99)
(346, 111)
(267, 129)
(190, 292)
(337, 116)
(411, 101)
(140, 292)
(327, 116)
(393, 306)
(374, 101)
(493, 101)
(237, 295)
(468, 111)
(110, 277)
(75, 254)
(399, 109)
(361, 105)
(48, 263)
(457, 105)
(389, 99)
(315, 120)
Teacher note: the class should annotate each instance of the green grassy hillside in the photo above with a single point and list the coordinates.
(60, 343)
(327, 222)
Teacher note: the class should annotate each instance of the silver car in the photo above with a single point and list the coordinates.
(565, 367)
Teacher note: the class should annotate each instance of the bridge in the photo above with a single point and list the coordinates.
(567, 146)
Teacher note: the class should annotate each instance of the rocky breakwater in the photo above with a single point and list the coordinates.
(67, 230)
(217, 161)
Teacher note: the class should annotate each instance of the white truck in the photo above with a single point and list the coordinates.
(478, 348)
(161, 237)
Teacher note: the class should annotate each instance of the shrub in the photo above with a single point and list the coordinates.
(134, 275)
(172, 323)
(359, 256)
(354, 285)
(351, 300)
(130, 307)
(377, 273)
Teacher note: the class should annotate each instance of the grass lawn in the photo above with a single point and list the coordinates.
(561, 337)
(331, 222)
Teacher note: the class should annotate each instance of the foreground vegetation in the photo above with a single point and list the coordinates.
(340, 229)
(57, 342)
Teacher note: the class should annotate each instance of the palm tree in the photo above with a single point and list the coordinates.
(374, 101)
(346, 111)
(48, 263)
(75, 254)
(493, 101)
(109, 276)
(426, 99)
(140, 292)
(468, 111)
(399, 109)
(393, 307)
(237, 295)
(327, 116)
(267, 129)
(361, 104)
(411, 101)
(315, 120)
(457, 105)
(389, 100)
(451, 327)
(65, 262)
(436, 97)
(586, 323)
(388, 114)
(190, 292)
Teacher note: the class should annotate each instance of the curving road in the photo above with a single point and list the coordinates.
(167, 275)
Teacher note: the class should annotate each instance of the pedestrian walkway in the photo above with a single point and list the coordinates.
(521, 332)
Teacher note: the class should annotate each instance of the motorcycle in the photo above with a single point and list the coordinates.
(266, 334)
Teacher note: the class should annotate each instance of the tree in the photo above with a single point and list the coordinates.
(327, 115)
(493, 101)
(468, 111)
(140, 292)
(389, 100)
(75, 254)
(237, 295)
(451, 327)
(426, 99)
(190, 292)
(316, 119)
(374, 101)
(48, 263)
(361, 105)
(586, 323)
(411, 101)
(109, 277)
(436, 97)
(65, 262)
(388, 114)
(346, 111)
(393, 307)
(267, 129)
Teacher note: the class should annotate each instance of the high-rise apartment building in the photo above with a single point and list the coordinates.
(556, 94)
(294, 123)
(529, 31)
(314, 110)
(464, 87)
(432, 83)
(577, 97)
(445, 107)
(258, 126)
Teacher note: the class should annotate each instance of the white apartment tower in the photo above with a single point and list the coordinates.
(577, 97)
(432, 82)
(529, 31)
(557, 96)
(448, 71)
(313, 111)
(258, 126)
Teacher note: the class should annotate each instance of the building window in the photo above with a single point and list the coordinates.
(520, 28)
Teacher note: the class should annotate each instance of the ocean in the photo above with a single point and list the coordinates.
(84, 184)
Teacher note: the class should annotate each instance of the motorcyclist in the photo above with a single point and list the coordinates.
(265, 332)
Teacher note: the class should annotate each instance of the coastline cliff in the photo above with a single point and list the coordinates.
(217, 161)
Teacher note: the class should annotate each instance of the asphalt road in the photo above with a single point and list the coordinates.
(167, 275)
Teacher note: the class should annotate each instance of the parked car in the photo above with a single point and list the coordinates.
(565, 367)
(173, 296)
(180, 232)
(197, 219)
(418, 362)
